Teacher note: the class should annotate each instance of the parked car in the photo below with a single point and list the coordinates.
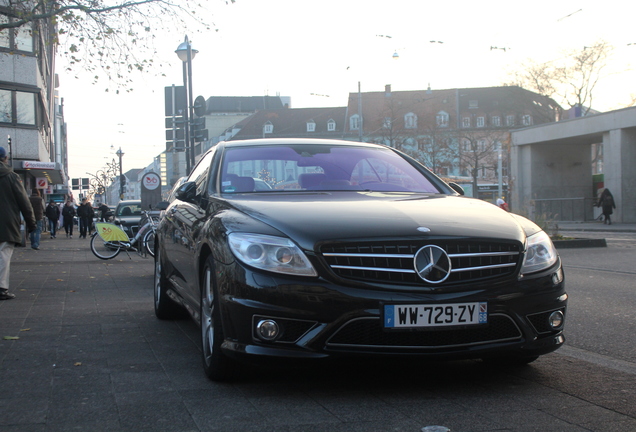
(356, 250)
(128, 214)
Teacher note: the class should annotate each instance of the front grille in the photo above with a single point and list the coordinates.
(393, 262)
(368, 333)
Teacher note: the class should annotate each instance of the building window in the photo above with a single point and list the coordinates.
(481, 145)
(410, 121)
(496, 121)
(466, 122)
(17, 107)
(268, 128)
(311, 126)
(16, 40)
(442, 119)
(387, 123)
(331, 125)
(510, 120)
(481, 122)
(526, 120)
(354, 122)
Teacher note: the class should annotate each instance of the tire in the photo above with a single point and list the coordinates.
(217, 366)
(149, 242)
(165, 308)
(104, 250)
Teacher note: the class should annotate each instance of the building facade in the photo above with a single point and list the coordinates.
(31, 117)
(462, 134)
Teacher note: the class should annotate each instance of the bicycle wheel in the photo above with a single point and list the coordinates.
(104, 250)
(149, 242)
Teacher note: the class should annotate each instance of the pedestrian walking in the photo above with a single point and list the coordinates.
(13, 202)
(606, 201)
(38, 211)
(104, 213)
(502, 204)
(60, 221)
(68, 213)
(85, 214)
(52, 213)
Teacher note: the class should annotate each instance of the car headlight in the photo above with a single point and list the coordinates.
(540, 253)
(275, 254)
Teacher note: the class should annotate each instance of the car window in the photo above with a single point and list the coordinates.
(200, 171)
(129, 210)
(263, 169)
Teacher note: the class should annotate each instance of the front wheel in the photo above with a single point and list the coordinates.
(149, 242)
(103, 249)
(217, 366)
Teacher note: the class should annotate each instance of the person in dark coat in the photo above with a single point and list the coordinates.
(68, 213)
(13, 201)
(606, 201)
(38, 211)
(52, 213)
(104, 212)
(85, 214)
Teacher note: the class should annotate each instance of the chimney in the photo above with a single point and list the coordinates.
(387, 90)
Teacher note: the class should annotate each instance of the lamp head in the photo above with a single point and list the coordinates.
(182, 50)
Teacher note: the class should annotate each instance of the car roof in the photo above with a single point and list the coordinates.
(296, 141)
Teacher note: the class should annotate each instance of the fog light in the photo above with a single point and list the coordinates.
(267, 329)
(556, 320)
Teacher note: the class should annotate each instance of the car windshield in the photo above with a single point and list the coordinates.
(266, 169)
(129, 210)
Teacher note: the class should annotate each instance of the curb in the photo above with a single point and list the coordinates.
(579, 243)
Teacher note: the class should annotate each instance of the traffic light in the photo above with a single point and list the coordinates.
(122, 180)
(199, 132)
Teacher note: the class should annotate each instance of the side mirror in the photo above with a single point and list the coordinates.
(457, 188)
(187, 192)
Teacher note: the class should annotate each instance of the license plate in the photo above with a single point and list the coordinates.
(435, 315)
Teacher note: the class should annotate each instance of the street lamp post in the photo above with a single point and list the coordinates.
(186, 54)
(121, 175)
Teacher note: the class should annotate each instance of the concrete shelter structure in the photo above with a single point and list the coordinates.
(553, 162)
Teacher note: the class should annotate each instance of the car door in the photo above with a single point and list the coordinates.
(185, 218)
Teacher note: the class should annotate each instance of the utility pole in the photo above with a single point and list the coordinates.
(122, 181)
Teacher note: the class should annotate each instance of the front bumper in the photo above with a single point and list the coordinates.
(320, 319)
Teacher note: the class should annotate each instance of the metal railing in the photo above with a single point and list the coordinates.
(564, 209)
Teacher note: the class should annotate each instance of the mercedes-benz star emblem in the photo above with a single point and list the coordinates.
(432, 264)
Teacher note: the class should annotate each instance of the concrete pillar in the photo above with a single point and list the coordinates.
(619, 160)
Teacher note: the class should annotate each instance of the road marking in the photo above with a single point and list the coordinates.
(598, 359)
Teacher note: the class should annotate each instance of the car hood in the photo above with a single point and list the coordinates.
(316, 217)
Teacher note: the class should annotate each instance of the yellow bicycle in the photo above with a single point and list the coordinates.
(109, 239)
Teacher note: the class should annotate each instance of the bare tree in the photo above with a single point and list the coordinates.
(478, 150)
(570, 80)
(113, 37)
(432, 148)
(102, 179)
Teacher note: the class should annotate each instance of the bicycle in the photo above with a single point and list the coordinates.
(109, 239)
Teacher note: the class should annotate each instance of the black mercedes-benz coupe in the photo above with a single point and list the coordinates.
(354, 249)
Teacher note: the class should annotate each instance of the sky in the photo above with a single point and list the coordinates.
(317, 53)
